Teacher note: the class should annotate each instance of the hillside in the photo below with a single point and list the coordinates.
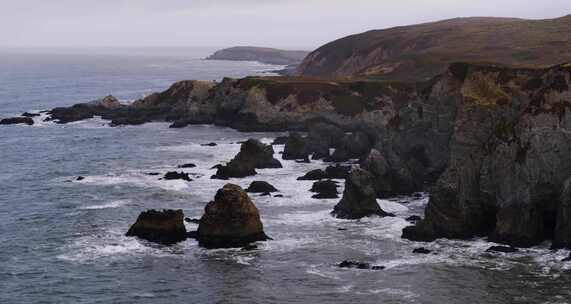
(421, 51)
(263, 55)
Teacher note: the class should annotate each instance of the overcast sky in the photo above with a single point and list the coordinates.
(277, 23)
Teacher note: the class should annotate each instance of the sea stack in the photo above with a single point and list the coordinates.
(231, 220)
(165, 227)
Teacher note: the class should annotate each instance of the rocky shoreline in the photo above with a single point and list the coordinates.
(490, 144)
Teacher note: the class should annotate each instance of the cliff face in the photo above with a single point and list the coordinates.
(510, 155)
(263, 55)
(422, 51)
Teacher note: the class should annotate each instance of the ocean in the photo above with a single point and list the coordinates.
(62, 240)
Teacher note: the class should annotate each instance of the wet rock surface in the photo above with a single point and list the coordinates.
(359, 198)
(231, 220)
(17, 120)
(177, 175)
(165, 227)
(325, 189)
(253, 155)
(261, 187)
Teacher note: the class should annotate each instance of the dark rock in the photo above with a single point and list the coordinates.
(359, 198)
(280, 140)
(325, 189)
(216, 166)
(413, 218)
(359, 265)
(80, 178)
(421, 250)
(261, 187)
(153, 173)
(504, 249)
(27, 114)
(296, 148)
(177, 175)
(166, 227)
(17, 120)
(567, 259)
(354, 264)
(278, 195)
(231, 220)
(210, 144)
(187, 166)
(390, 180)
(355, 145)
(266, 194)
(313, 175)
(303, 161)
(253, 154)
(192, 234)
(249, 247)
(562, 233)
(100, 107)
(337, 172)
(194, 221)
(342, 229)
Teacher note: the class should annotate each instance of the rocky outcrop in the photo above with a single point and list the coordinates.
(510, 155)
(352, 146)
(359, 265)
(165, 227)
(173, 175)
(296, 148)
(359, 198)
(101, 107)
(17, 120)
(231, 220)
(253, 155)
(261, 187)
(390, 181)
(325, 189)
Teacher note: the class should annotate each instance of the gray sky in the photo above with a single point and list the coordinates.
(278, 23)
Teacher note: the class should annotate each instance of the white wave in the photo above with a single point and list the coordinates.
(113, 204)
(137, 179)
(392, 207)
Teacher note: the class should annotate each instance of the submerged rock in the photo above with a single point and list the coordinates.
(359, 198)
(504, 249)
(261, 187)
(253, 154)
(316, 174)
(421, 250)
(17, 120)
(325, 189)
(359, 265)
(187, 166)
(165, 227)
(231, 220)
(177, 175)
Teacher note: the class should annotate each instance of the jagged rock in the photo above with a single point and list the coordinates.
(510, 155)
(337, 171)
(261, 187)
(164, 227)
(325, 189)
(253, 154)
(27, 114)
(413, 218)
(177, 175)
(17, 120)
(390, 181)
(296, 148)
(80, 178)
(231, 220)
(503, 249)
(421, 250)
(280, 140)
(100, 107)
(359, 198)
(192, 220)
(359, 265)
(316, 174)
(354, 145)
(183, 166)
(321, 137)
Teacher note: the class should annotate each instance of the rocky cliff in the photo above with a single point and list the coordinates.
(419, 52)
(494, 142)
(510, 155)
